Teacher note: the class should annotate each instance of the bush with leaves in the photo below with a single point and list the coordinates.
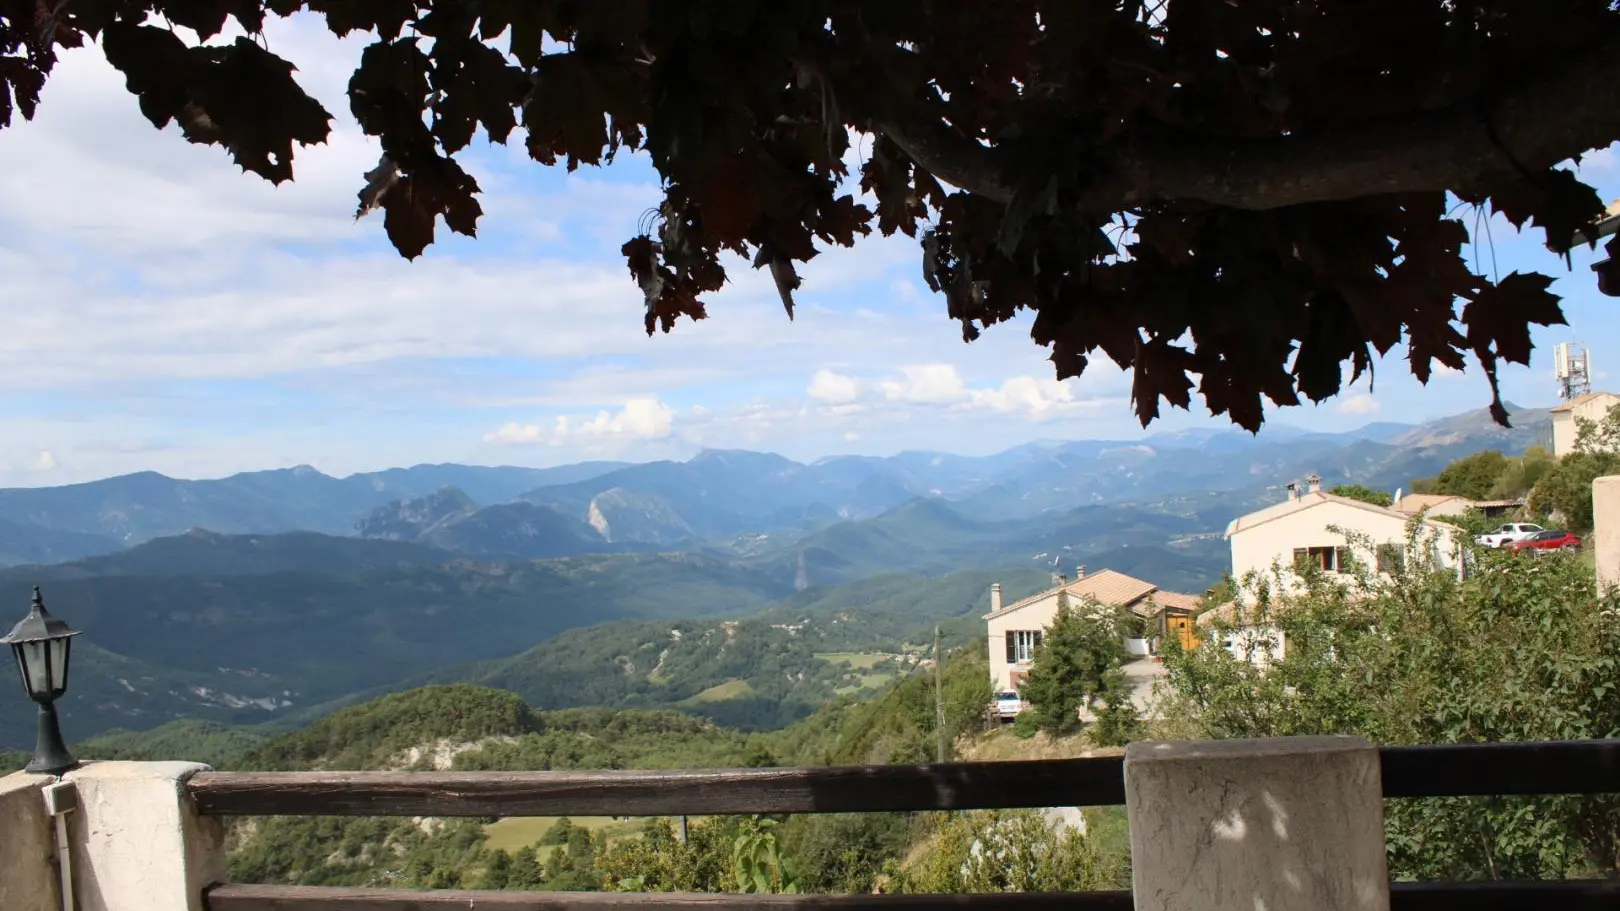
(1363, 493)
(843, 852)
(1519, 650)
(1072, 665)
(660, 862)
(1011, 851)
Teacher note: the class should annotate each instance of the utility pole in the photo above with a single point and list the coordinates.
(939, 701)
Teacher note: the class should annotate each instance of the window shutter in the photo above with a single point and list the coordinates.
(1036, 644)
(1012, 647)
(1300, 557)
(1341, 559)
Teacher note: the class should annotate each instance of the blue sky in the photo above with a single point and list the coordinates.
(165, 311)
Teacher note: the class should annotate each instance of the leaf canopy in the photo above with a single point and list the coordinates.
(1229, 200)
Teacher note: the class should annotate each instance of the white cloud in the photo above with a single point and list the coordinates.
(640, 419)
(45, 461)
(1361, 403)
(1039, 398)
(832, 388)
(930, 384)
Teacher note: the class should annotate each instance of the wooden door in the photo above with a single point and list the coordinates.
(1181, 626)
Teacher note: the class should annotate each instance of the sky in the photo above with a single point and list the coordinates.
(164, 311)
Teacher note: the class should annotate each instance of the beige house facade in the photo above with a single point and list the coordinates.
(1015, 630)
(1333, 534)
(1320, 529)
(1593, 406)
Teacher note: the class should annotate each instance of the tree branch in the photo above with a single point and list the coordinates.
(1554, 117)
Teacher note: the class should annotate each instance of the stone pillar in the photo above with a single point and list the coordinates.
(1287, 824)
(28, 880)
(1606, 530)
(138, 843)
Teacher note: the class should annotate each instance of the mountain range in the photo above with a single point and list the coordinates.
(271, 595)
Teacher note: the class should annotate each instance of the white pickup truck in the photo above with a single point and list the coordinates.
(1510, 533)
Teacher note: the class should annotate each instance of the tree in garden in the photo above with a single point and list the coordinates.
(1232, 199)
(1524, 473)
(1520, 650)
(1472, 476)
(1363, 493)
(1072, 665)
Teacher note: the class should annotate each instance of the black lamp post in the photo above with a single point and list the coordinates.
(41, 643)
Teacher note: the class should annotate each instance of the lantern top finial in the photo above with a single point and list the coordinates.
(38, 625)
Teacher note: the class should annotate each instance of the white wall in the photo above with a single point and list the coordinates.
(28, 877)
(1565, 430)
(1606, 531)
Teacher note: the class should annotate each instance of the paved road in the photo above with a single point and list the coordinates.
(1142, 673)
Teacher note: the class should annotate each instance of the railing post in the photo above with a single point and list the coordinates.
(27, 849)
(1606, 530)
(138, 843)
(1285, 824)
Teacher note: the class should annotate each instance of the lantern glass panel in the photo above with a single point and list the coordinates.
(35, 667)
(59, 664)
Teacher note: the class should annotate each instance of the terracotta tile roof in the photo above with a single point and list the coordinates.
(1414, 503)
(1177, 601)
(1308, 501)
(1106, 586)
(1580, 400)
(1220, 612)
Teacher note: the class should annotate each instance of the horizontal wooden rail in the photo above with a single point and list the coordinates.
(1579, 767)
(327, 898)
(835, 789)
(1562, 896)
(1502, 769)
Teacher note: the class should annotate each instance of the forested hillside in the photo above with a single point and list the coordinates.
(765, 670)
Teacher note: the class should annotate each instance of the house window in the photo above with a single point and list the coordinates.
(1391, 558)
(1021, 645)
(1325, 559)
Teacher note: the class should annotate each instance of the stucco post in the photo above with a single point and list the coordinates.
(1606, 530)
(1287, 824)
(138, 843)
(27, 845)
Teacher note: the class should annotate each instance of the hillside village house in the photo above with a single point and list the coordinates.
(1441, 505)
(1315, 528)
(1593, 406)
(1015, 630)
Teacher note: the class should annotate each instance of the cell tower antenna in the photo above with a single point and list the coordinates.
(1572, 366)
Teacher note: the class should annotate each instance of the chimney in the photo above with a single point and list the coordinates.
(1079, 573)
(1314, 482)
(1293, 490)
(995, 597)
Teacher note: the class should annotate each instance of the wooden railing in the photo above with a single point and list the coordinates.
(1583, 767)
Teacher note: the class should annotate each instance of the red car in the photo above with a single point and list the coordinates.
(1546, 541)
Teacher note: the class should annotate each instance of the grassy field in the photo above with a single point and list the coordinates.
(862, 664)
(860, 661)
(720, 692)
(523, 831)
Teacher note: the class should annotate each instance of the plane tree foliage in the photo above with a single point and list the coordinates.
(1234, 201)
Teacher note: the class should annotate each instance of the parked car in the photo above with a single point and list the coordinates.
(1008, 705)
(1547, 542)
(1509, 533)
